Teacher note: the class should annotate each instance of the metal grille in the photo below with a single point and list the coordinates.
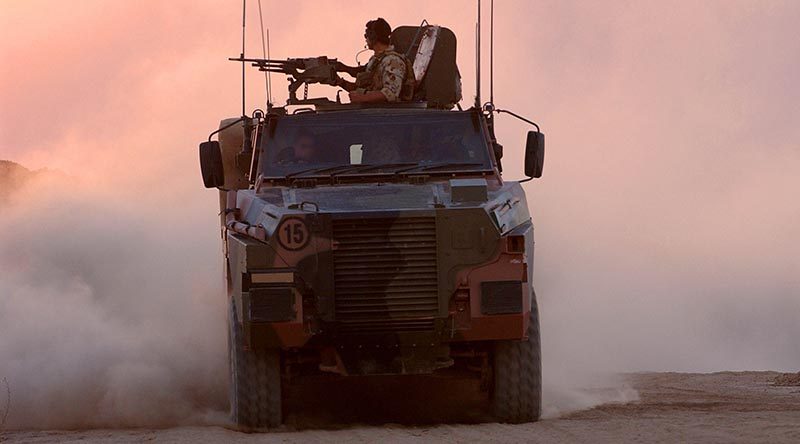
(385, 274)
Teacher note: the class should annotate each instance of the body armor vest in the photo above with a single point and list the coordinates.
(370, 79)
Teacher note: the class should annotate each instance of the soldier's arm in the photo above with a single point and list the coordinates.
(393, 71)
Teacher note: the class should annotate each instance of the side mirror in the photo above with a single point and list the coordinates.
(534, 154)
(211, 164)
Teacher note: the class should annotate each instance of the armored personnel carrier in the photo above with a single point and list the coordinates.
(376, 240)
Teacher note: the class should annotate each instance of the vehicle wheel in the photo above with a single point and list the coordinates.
(255, 381)
(517, 395)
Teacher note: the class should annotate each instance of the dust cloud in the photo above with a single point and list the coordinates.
(107, 317)
(667, 218)
(112, 304)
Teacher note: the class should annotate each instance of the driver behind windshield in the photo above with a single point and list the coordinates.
(304, 149)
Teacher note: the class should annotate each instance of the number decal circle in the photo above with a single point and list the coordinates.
(293, 234)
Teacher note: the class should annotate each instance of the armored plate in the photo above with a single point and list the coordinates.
(425, 52)
(441, 86)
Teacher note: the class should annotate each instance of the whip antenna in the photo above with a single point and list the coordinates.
(246, 125)
(244, 16)
(491, 52)
(478, 59)
(269, 73)
(264, 55)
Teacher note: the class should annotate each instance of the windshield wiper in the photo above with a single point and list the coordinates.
(316, 170)
(367, 167)
(347, 168)
(404, 167)
(441, 165)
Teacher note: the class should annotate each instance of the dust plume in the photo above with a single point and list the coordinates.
(106, 318)
(112, 308)
(667, 218)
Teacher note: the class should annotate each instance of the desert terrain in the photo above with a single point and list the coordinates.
(726, 407)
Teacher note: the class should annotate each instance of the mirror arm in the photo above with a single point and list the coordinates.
(225, 127)
(520, 118)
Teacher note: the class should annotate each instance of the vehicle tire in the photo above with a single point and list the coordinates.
(517, 391)
(255, 381)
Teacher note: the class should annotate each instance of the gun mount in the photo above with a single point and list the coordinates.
(430, 49)
(301, 71)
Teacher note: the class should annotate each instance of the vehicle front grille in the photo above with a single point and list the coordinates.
(385, 275)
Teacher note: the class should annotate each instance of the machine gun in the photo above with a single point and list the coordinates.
(301, 71)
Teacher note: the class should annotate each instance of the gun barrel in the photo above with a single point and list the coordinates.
(297, 62)
(277, 69)
(240, 59)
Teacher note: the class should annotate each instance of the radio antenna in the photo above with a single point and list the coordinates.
(246, 125)
(478, 59)
(244, 16)
(264, 55)
(269, 73)
(491, 52)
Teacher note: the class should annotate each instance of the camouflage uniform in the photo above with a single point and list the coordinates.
(390, 73)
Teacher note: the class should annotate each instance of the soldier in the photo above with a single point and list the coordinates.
(303, 150)
(388, 76)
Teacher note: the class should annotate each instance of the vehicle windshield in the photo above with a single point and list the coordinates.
(374, 143)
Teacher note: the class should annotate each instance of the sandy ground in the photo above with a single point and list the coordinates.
(728, 407)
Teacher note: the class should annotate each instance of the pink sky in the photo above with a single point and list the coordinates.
(672, 132)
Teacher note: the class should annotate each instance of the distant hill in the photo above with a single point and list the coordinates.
(13, 176)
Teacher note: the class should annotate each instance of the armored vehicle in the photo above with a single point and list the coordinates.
(375, 240)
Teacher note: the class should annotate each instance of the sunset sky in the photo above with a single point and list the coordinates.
(670, 201)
